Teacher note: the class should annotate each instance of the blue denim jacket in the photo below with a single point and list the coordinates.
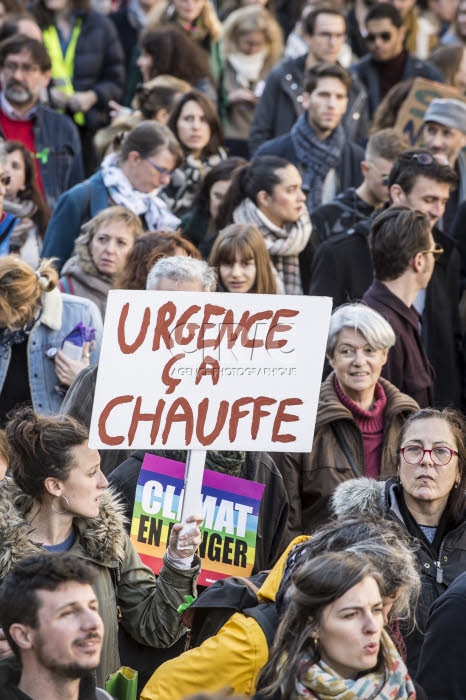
(60, 314)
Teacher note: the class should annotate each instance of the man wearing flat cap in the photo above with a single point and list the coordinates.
(445, 136)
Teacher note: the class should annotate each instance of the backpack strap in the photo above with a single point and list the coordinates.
(344, 448)
(265, 614)
(8, 229)
(65, 285)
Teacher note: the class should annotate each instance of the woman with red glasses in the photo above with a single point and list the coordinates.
(428, 498)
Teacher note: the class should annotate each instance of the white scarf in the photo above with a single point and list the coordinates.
(156, 213)
(247, 68)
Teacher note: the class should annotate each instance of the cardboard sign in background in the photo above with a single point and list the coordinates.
(230, 507)
(410, 120)
(182, 370)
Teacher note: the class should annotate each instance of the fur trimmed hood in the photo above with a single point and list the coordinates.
(101, 540)
(359, 497)
(52, 309)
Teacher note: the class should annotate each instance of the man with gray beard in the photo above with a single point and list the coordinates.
(25, 72)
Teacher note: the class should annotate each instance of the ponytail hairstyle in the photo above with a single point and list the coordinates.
(260, 174)
(21, 289)
(40, 447)
(247, 240)
(317, 583)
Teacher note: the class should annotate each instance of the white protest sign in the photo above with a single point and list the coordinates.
(197, 371)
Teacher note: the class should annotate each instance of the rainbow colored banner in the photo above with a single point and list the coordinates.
(230, 507)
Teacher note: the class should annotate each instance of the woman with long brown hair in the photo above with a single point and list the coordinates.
(241, 258)
(24, 200)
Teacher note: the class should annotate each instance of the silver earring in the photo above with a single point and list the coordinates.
(61, 512)
(456, 485)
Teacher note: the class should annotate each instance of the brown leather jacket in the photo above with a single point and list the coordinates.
(337, 455)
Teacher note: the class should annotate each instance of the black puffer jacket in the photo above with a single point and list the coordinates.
(99, 65)
(369, 497)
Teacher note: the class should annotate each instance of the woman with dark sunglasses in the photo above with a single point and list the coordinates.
(428, 499)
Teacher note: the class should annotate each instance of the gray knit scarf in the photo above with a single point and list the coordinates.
(317, 157)
(284, 244)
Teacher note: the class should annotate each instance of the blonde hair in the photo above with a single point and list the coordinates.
(116, 213)
(163, 13)
(168, 81)
(21, 289)
(253, 18)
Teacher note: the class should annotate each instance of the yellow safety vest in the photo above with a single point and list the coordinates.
(63, 66)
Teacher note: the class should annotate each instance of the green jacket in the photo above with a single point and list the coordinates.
(148, 605)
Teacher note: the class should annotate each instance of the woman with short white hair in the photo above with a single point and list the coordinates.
(359, 417)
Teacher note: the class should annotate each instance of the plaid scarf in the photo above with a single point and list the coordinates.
(392, 682)
(317, 157)
(9, 337)
(284, 244)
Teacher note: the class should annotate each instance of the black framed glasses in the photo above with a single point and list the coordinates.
(5, 180)
(373, 36)
(162, 171)
(441, 456)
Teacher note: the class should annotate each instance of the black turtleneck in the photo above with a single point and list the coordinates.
(390, 72)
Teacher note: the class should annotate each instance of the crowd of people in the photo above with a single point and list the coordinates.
(245, 147)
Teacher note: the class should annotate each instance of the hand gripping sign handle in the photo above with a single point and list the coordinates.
(192, 501)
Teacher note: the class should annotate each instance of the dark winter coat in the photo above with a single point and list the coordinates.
(333, 276)
(281, 104)
(76, 206)
(332, 219)
(272, 536)
(367, 496)
(311, 478)
(407, 366)
(99, 66)
(57, 138)
(443, 653)
(348, 171)
(365, 69)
